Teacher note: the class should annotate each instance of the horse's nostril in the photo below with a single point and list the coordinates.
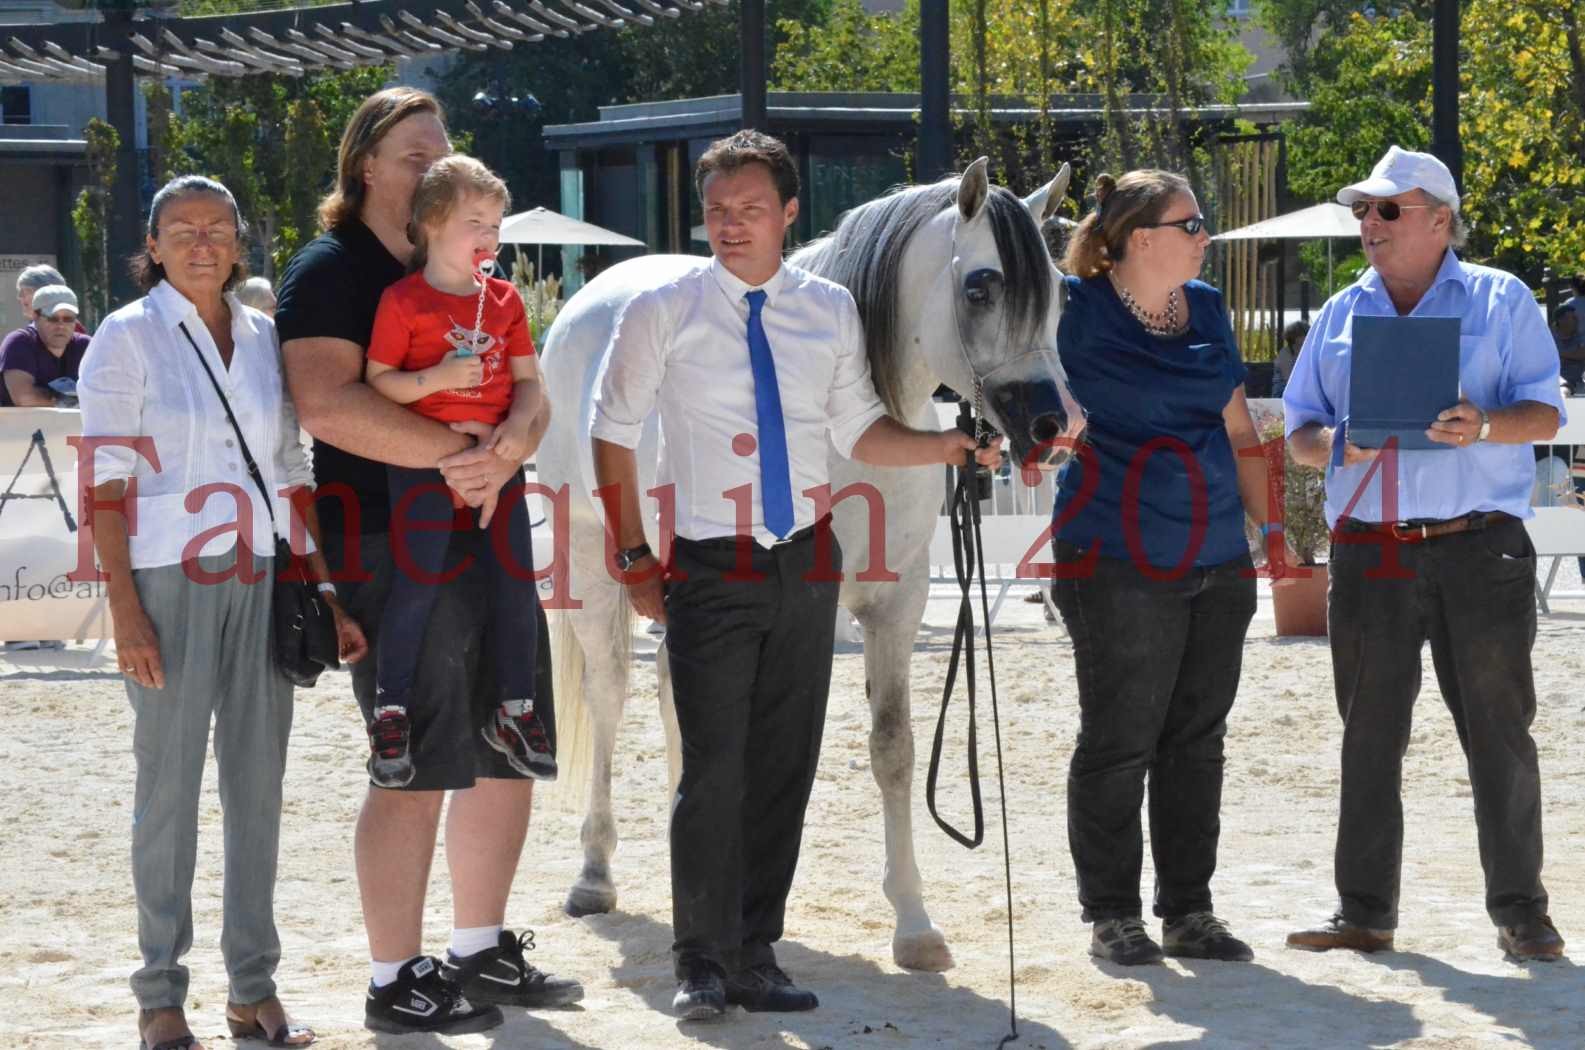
(1048, 427)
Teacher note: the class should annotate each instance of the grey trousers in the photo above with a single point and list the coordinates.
(215, 647)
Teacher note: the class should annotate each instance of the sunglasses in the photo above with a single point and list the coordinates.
(1189, 226)
(1388, 210)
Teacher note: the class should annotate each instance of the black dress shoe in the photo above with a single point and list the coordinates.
(767, 989)
(701, 995)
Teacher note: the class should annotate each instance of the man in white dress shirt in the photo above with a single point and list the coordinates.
(753, 365)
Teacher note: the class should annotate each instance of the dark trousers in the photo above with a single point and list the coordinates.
(751, 670)
(1472, 595)
(1158, 663)
(423, 520)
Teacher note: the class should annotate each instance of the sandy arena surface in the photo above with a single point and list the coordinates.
(69, 921)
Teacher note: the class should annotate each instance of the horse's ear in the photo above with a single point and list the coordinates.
(974, 189)
(1044, 202)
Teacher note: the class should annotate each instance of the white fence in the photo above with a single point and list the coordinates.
(1017, 518)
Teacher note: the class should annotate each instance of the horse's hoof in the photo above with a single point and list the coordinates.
(925, 951)
(589, 900)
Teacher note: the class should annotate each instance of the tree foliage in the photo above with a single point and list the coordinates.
(1522, 121)
(91, 214)
(1181, 53)
(272, 140)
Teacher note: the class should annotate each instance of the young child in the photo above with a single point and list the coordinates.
(454, 345)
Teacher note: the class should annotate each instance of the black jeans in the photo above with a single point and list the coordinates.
(423, 520)
(1158, 664)
(751, 670)
(1472, 594)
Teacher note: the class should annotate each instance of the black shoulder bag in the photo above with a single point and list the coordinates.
(302, 626)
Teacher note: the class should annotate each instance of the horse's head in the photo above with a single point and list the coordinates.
(1005, 303)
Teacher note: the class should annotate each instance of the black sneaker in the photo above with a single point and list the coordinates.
(421, 1000)
(766, 988)
(1201, 935)
(390, 748)
(1123, 941)
(516, 731)
(701, 995)
(501, 975)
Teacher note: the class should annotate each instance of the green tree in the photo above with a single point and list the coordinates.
(1522, 121)
(272, 140)
(691, 56)
(90, 217)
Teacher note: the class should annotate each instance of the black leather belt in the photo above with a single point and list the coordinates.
(729, 543)
(1421, 529)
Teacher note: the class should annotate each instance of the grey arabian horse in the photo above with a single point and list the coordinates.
(955, 286)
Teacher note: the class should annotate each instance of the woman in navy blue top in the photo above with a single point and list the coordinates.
(1155, 583)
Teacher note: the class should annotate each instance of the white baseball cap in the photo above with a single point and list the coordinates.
(1401, 170)
(53, 298)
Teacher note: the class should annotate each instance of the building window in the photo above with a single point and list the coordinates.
(16, 105)
(1240, 8)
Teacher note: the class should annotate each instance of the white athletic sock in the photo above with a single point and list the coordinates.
(474, 940)
(384, 973)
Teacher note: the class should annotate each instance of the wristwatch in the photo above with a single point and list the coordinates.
(625, 559)
(1485, 425)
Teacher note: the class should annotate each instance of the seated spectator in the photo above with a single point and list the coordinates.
(38, 363)
(257, 293)
(29, 281)
(1282, 366)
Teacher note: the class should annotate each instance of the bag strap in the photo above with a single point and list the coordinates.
(242, 442)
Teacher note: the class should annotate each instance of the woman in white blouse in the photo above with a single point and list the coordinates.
(184, 538)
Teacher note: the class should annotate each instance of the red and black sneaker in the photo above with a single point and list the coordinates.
(516, 731)
(390, 748)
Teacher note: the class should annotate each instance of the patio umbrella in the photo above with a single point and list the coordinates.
(541, 226)
(1318, 222)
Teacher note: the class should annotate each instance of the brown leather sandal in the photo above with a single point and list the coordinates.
(289, 1034)
(180, 1042)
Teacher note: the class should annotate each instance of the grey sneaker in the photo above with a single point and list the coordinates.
(1201, 935)
(1123, 941)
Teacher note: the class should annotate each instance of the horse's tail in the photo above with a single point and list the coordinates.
(574, 728)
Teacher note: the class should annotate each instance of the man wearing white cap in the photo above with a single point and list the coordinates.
(1431, 545)
(39, 363)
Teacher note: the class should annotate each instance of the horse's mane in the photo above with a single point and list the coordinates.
(865, 254)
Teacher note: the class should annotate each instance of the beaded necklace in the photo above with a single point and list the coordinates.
(1165, 323)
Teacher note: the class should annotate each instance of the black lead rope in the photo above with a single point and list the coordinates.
(968, 557)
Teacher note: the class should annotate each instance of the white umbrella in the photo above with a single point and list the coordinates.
(1317, 222)
(541, 226)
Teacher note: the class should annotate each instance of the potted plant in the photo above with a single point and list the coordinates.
(1300, 604)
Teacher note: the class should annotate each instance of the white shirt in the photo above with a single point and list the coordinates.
(140, 378)
(683, 347)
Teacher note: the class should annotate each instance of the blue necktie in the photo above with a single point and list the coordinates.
(775, 477)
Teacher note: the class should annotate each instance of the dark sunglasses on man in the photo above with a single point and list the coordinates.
(1189, 226)
(1388, 210)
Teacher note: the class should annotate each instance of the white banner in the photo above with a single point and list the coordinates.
(39, 531)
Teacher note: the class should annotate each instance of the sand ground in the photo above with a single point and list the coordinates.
(67, 914)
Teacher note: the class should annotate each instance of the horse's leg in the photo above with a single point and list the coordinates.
(668, 721)
(602, 627)
(890, 629)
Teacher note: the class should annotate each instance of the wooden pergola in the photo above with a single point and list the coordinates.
(122, 45)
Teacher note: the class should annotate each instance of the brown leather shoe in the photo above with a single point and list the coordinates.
(1336, 932)
(1535, 940)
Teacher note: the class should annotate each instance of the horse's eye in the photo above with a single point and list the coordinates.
(983, 287)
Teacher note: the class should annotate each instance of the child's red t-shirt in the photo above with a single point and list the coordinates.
(417, 325)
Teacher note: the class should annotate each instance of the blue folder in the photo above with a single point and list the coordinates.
(1403, 373)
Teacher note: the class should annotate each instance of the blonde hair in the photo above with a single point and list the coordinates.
(442, 188)
(1122, 206)
(379, 113)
